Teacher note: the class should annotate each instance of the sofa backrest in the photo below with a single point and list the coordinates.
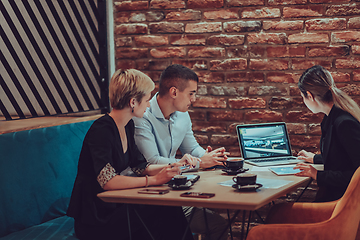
(37, 172)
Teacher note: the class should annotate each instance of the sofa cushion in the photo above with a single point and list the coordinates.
(37, 172)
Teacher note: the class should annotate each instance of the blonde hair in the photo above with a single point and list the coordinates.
(319, 82)
(127, 84)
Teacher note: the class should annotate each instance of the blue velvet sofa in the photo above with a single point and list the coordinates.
(37, 172)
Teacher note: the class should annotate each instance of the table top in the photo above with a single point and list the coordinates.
(225, 197)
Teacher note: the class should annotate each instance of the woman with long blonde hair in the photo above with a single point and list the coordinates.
(340, 134)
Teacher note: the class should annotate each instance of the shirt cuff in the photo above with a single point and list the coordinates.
(106, 174)
(140, 169)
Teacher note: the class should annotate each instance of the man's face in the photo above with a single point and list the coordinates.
(184, 99)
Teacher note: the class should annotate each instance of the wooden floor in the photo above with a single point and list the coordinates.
(7, 126)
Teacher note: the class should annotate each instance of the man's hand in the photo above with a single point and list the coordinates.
(213, 157)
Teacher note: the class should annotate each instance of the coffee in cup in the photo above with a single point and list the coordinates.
(180, 180)
(245, 179)
(234, 163)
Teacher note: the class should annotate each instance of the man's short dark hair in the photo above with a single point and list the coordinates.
(176, 76)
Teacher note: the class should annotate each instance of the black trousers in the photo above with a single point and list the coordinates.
(162, 221)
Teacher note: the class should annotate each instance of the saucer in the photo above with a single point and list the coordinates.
(187, 185)
(247, 188)
(232, 172)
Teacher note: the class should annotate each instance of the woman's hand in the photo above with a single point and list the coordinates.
(306, 170)
(306, 156)
(164, 176)
(213, 157)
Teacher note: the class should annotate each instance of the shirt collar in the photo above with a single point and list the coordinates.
(155, 108)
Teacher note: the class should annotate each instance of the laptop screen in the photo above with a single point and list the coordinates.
(263, 140)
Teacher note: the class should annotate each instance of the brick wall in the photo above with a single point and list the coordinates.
(249, 55)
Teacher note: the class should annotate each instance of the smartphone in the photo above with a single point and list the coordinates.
(197, 195)
(154, 191)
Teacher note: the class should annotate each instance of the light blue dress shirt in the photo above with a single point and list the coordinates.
(158, 139)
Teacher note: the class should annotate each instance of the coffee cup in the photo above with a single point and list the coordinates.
(180, 180)
(234, 163)
(245, 179)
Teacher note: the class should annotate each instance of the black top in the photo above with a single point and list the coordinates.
(102, 145)
(339, 145)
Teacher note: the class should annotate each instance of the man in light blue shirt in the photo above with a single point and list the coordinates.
(166, 127)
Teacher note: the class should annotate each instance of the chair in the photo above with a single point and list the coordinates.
(330, 220)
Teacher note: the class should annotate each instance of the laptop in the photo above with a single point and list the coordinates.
(265, 144)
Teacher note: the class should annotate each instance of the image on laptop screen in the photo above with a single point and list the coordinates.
(263, 140)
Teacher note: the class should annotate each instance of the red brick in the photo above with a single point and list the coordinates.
(122, 17)
(252, 51)
(207, 27)
(294, 90)
(125, 64)
(187, 40)
(303, 64)
(227, 91)
(201, 139)
(131, 6)
(286, 2)
(327, 1)
(152, 65)
(340, 77)
(186, 15)
(308, 38)
(205, 3)
(297, 51)
(279, 103)
(242, 26)
(283, 25)
(330, 51)
(296, 128)
(168, 52)
(303, 116)
(302, 11)
(345, 36)
(245, 103)
(167, 4)
(326, 24)
(226, 40)
(246, 77)
(281, 77)
(211, 77)
(266, 91)
(353, 63)
(314, 129)
(166, 27)
(242, 3)
(221, 14)
(261, 13)
(263, 116)
(137, 17)
(351, 89)
(154, 16)
(209, 127)
(192, 64)
(223, 140)
(150, 40)
(215, 116)
(210, 102)
(265, 64)
(229, 64)
(123, 42)
(155, 76)
(356, 75)
(131, 28)
(201, 90)
(355, 49)
(131, 53)
(343, 10)
(266, 38)
(197, 115)
(354, 22)
(302, 141)
(206, 52)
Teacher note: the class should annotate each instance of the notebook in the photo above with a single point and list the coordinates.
(265, 144)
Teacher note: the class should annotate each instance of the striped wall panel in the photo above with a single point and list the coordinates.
(53, 57)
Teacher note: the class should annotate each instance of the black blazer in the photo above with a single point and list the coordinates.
(339, 145)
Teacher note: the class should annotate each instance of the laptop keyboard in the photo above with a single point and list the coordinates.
(274, 159)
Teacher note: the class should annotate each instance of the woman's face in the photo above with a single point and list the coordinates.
(140, 107)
